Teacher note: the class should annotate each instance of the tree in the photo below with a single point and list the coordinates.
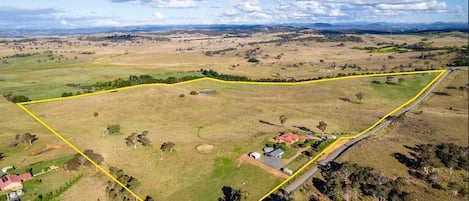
(282, 119)
(230, 194)
(322, 126)
(167, 146)
(134, 138)
(401, 80)
(97, 158)
(131, 140)
(359, 96)
(2, 156)
(78, 160)
(30, 138)
(389, 79)
(95, 114)
(26, 137)
(253, 60)
(19, 99)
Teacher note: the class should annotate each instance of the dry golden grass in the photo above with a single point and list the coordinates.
(435, 125)
(229, 120)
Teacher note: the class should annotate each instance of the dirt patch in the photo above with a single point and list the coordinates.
(205, 148)
(46, 149)
(245, 158)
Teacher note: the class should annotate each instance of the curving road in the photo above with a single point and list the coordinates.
(332, 156)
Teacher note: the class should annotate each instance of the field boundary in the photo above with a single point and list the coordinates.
(22, 106)
(229, 82)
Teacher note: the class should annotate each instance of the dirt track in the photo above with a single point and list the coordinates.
(245, 158)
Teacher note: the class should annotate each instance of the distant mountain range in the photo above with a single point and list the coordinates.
(380, 27)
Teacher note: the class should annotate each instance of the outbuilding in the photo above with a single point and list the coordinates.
(255, 155)
(267, 149)
(288, 171)
(276, 153)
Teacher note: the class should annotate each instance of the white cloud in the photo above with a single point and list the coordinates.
(106, 22)
(421, 6)
(174, 3)
(249, 7)
(163, 3)
(64, 22)
(158, 16)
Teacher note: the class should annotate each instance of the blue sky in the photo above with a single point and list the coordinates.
(96, 13)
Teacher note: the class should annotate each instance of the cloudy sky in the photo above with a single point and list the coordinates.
(96, 13)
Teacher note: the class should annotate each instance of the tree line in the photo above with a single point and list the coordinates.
(348, 181)
(428, 158)
(117, 192)
(140, 79)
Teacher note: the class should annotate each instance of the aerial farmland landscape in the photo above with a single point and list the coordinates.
(234, 100)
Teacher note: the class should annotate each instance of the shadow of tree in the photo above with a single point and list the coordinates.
(408, 162)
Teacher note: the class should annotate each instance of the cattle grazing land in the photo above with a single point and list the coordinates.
(232, 113)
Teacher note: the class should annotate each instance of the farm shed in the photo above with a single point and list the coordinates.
(288, 171)
(267, 149)
(255, 155)
(276, 153)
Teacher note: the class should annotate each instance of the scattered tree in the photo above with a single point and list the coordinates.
(231, 194)
(26, 137)
(95, 114)
(167, 146)
(253, 60)
(389, 79)
(359, 96)
(282, 119)
(117, 192)
(134, 138)
(401, 80)
(79, 160)
(322, 126)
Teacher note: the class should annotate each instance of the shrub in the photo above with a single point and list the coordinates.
(65, 94)
(253, 60)
(19, 99)
(114, 129)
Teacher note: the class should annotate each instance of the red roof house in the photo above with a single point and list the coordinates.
(13, 182)
(290, 138)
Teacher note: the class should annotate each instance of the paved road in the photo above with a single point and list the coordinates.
(305, 176)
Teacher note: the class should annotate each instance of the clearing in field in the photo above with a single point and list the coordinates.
(211, 130)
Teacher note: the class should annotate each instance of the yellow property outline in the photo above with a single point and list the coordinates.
(22, 106)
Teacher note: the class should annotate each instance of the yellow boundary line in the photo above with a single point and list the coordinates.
(231, 82)
(349, 137)
(22, 106)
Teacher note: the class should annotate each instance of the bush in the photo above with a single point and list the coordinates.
(253, 60)
(114, 129)
(19, 99)
(65, 94)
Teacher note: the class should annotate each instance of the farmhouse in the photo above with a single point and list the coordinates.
(13, 182)
(290, 138)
